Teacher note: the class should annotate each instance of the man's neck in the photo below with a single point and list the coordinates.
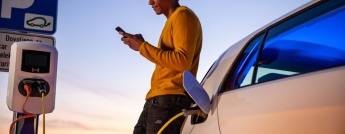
(171, 10)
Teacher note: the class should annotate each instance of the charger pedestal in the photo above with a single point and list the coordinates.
(25, 126)
(33, 64)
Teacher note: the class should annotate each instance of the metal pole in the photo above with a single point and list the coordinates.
(25, 126)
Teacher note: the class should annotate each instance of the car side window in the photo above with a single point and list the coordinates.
(309, 44)
(310, 41)
(243, 73)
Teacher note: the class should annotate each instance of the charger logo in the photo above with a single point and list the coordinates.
(7, 5)
(35, 70)
(38, 22)
(37, 16)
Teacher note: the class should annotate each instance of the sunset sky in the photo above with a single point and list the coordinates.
(102, 83)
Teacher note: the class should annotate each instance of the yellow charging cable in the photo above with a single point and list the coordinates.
(169, 121)
(43, 114)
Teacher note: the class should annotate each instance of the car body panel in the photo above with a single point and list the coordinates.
(281, 106)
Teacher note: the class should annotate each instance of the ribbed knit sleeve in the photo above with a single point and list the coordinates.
(184, 40)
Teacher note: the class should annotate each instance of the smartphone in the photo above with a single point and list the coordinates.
(119, 29)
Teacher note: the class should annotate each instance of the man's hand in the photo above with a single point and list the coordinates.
(133, 41)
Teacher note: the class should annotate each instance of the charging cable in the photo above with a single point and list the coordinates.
(169, 121)
(43, 91)
(28, 90)
(185, 113)
(43, 114)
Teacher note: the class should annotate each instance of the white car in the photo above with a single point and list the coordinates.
(286, 78)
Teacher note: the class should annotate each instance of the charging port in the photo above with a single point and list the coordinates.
(38, 86)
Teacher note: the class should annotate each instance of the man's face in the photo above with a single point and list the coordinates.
(161, 6)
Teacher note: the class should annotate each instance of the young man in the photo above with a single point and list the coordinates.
(178, 50)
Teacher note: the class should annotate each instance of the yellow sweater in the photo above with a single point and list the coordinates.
(178, 49)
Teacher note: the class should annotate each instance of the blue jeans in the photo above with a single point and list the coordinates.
(158, 110)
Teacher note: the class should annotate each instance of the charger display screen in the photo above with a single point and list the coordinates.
(35, 61)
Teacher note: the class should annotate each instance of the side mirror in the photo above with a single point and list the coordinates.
(198, 94)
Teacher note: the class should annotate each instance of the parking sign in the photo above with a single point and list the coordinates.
(37, 16)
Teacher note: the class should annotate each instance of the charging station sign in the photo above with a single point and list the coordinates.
(37, 16)
(8, 38)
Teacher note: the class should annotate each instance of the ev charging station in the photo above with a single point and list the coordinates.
(32, 76)
(33, 64)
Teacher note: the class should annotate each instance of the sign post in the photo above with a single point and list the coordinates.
(25, 16)
(28, 125)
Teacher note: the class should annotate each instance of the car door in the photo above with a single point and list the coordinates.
(290, 77)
